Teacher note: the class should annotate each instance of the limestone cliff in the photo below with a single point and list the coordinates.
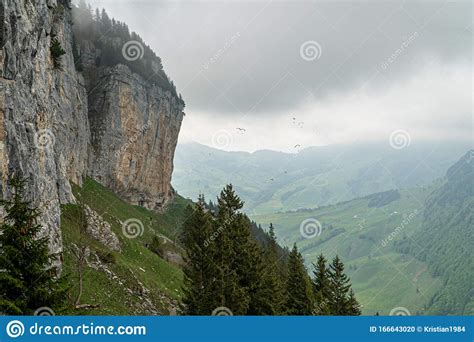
(58, 125)
(134, 128)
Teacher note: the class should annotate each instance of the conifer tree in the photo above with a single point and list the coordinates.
(299, 293)
(56, 52)
(269, 297)
(353, 306)
(28, 280)
(200, 270)
(321, 286)
(342, 300)
(234, 257)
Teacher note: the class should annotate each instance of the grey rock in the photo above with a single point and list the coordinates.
(101, 230)
(134, 130)
(58, 126)
(44, 130)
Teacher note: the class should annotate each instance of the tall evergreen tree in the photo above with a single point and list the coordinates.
(299, 299)
(321, 286)
(234, 257)
(28, 280)
(269, 297)
(342, 300)
(199, 270)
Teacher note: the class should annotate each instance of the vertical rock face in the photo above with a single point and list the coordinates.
(134, 130)
(57, 127)
(44, 131)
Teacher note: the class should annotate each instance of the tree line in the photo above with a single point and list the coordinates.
(227, 267)
(109, 37)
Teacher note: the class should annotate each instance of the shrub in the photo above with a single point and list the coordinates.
(106, 257)
(56, 52)
(156, 246)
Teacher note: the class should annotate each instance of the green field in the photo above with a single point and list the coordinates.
(367, 239)
(135, 281)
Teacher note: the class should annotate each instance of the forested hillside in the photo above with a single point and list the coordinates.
(446, 238)
(117, 45)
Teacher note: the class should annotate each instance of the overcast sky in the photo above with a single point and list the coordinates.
(314, 72)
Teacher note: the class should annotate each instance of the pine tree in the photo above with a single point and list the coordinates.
(321, 286)
(340, 286)
(200, 271)
(299, 295)
(28, 280)
(233, 256)
(105, 21)
(269, 297)
(353, 306)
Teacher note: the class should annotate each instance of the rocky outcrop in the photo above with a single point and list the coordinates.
(58, 126)
(101, 230)
(44, 129)
(134, 127)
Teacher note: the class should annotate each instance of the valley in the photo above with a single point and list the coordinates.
(367, 239)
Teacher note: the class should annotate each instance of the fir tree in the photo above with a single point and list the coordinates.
(298, 287)
(342, 300)
(321, 287)
(233, 254)
(105, 21)
(28, 280)
(269, 300)
(199, 271)
(353, 306)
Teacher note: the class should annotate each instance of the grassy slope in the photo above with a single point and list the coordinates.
(122, 292)
(383, 278)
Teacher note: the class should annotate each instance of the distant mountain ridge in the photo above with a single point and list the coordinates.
(271, 181)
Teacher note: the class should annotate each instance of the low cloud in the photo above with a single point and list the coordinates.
(378, 66)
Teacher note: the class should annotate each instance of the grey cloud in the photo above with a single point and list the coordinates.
(261, 70)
